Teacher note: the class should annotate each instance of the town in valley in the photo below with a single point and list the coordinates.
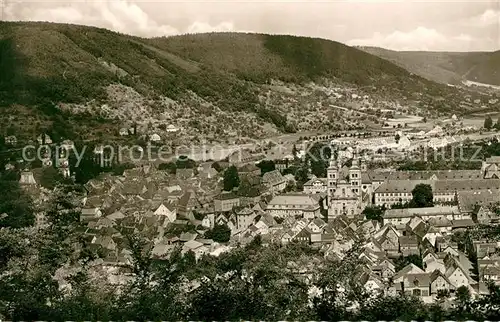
(155, 166)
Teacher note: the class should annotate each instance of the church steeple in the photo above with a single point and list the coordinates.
(332, 174)
(333, 162)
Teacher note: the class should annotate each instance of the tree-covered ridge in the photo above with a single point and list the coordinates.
(445, 67)
(44, 64)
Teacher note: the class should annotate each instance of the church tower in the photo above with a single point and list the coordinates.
(355, 175)
(332, 175)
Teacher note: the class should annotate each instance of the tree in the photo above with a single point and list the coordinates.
(462, 295)
(16, 205)
(50, 178)
(295, 152)
(374, 213)
(220, 233)
(266, 166)
(319, 156)
(422, 196)
(403, 261)
(231, 178)
(183, 162)
(170, 167)
(488, 122)
(397, 138)
(301, 176)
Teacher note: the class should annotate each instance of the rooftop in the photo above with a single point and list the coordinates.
(427, 211)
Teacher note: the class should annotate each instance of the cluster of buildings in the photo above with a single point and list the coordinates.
(177, 210)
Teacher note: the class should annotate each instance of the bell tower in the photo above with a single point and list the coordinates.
(355, 175)
(332, 175)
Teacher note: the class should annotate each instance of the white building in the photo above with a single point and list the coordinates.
(289, 205)
(172, 129)
(155, 138)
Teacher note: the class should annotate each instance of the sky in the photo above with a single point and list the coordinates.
(399, 25)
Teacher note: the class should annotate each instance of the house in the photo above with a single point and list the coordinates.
(389, 240)
(484, 247)
(316, 185)
(286, 237)
(172, 128)
(166, 210)
(470, 202)
(11, 140)
(187, 204)
(208, 221)
(369, 227)
(27, 178)
(43, 139)
(105, 241)
(486, 216)
(404, 280)
(155, 138)
(292, 205)
(274, 181)
(196, 247)
(283, 164)
(431, 236)
(490, 167)
(491, 273)
(123, 131)
(316, 225)
(384, 269)
(439, 282)
(462, 224)
(249, 169)
(226, 201)
(303, 236)
(408, 245)
(395, 191)
(456, 274)
(403, 216)
(245, 218)
(372, 283)
(90, 213)
(442, 224)
(433, 263)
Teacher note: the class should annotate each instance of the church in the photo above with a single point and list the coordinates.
(349, 188)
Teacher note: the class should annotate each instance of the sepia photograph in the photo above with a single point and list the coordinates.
(249, 160)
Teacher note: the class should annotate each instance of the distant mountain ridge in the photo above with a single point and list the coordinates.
(445, 67)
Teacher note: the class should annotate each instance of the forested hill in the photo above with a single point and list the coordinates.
(44, 64)
(446, 67)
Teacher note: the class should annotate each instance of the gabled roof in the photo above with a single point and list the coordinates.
(399, 186)
(469, 200)
(407, 269)
(408, 241)
(427, 211)
(419, 279)
(192, 244)
(273, 178)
